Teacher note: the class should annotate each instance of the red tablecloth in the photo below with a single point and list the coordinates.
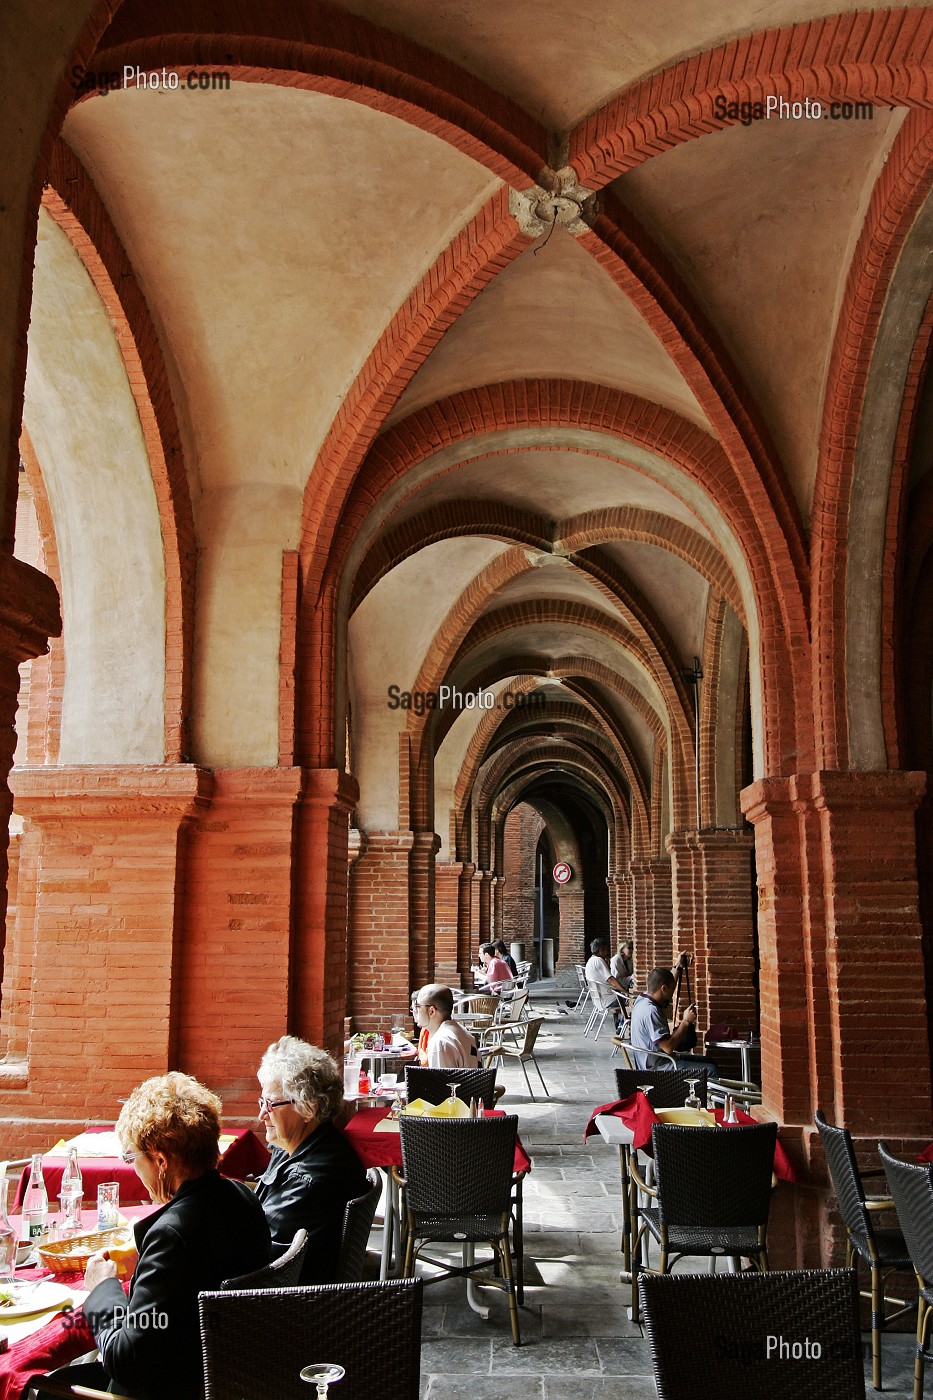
(638, 1116)
(246, 1156)
(385, 1149)
(927, 1154)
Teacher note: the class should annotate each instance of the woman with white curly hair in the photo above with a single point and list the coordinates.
(314, 1170)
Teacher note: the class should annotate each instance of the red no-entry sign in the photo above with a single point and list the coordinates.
(562, 872)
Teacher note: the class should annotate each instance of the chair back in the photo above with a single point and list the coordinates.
(669, 1086)
(283, 1272)
(458, 1166)
(714, 1177)
(256, 1343)
(511, 1007)
(358, 1219)
(432, 1085)
(581, 974)
(722, 1335)
(532, 1029)
(911, 1187)
(847, 1183)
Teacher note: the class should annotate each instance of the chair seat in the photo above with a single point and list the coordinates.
(703, 1239)
(456, 1228)
(891, 1248)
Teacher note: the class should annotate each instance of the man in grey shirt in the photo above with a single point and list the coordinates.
(650, 1029)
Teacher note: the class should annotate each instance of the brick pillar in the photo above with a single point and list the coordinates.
(105, 849)
(728, 928)
(421, 893)
(12, 889)
(642, 924)
(687, 913)
(380, 982)
(842, 985)
(237, 928)
(572, 947)
(498, 908)
(620, 908)
(317, 982)
(486, 882)
(447, 878)
(465, 918)
(662, 911)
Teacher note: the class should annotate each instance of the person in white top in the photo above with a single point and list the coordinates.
(450, 1046)
(598, 976)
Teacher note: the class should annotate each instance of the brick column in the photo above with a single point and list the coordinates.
(642, 923)
(662, 911)
(238, 930)
(97, 1005)
(620, 908)
(486, 882)
(687, 913)
(421, 893)
(465, 918)
(498, 908)
(446, 921)
(572, 948)
(380, 982)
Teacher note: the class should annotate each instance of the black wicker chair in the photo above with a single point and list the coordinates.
(883, 1250)
(432, 1085)
(911, 1186)
(458, 1189)
(256, 1343)
(358, 1217)
(283, 1272)
(720, 1336)
(713, 1191)
(669, 1086)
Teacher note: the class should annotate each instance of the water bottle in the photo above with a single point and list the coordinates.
(7, 1234)
(36, 1202)
(71, 1192)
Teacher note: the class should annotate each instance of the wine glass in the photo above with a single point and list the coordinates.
(646, 1089)
(453, 1085)
(323, 1373)
(693, 1099)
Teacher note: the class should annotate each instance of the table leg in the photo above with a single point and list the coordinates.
(388, 1226)
(473, 1298)
(626, 1209)
(518, 1237)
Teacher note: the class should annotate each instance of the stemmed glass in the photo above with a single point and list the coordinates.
(646, 1089)
(453, 1085)
(693, 1099)
(323, 1373)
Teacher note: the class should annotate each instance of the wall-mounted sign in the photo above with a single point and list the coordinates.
(562, 872)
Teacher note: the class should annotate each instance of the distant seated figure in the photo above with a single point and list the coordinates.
(493, 969)
(314, 1170)
(651, 1031)
(208, 1229)
(506, 956)
(450, 1045)
(622, 965)
(597, 973)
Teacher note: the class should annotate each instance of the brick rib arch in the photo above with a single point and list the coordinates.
(74, 204)
(896, 200)
(320, 48)
(882, 56)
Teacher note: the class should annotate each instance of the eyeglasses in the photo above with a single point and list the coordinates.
(267, 1105)
(130, 1157)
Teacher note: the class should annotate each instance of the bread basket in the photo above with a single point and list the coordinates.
(70, 1256)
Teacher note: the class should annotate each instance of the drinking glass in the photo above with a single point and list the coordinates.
(693, 1099)
(71, 1201)
(646, 1089)
(323, 1373)
(453, 1085)
(108, 1205)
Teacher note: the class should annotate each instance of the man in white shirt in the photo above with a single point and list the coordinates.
(598, 976)
(450, 1046)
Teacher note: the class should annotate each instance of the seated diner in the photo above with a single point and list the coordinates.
(449, 1045)
(314, 1170)
(209, 1229)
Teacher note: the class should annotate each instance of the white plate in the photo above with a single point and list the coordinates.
(39, 1299)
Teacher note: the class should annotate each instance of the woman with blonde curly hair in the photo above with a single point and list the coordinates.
(209, 1229)
(314, 1170)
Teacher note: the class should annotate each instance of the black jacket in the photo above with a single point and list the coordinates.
(150, 1344)
(308, 1189)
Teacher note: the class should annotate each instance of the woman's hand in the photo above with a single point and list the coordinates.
(99, 1267)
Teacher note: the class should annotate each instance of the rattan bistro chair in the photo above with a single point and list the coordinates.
(713, 1192)
(883, 1249)
(358, 1217)
(283, 1272)
(719, 1336)
(256, 1343)
(432, 1085)
(911, 1186)
(669, 1087)
(457, 1187)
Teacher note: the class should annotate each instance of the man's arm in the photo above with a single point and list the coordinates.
(670, 1043)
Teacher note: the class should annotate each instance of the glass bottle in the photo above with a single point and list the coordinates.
(71, 1194)
(7, 1235)
(35, 1202)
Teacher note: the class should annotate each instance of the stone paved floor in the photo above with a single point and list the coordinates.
(577, 1340)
